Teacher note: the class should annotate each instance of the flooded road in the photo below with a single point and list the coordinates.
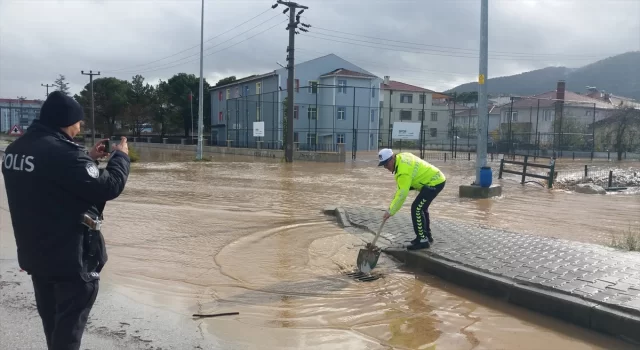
(247, 235)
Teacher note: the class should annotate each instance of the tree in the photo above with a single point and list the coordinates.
(111, 101)
(160, 108)
(467, 97)
(178, 89)
(570, 133)
(226, 80)
(620, 128)
(62, 85)
(140, 97)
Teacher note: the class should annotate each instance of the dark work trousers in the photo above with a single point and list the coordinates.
(420, 210)
(64, 306)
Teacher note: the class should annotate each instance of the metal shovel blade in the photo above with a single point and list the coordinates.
(367, 259)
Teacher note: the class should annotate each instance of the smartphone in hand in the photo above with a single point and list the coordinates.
(106, 146)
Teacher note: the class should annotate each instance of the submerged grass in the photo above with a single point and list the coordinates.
(627, 240)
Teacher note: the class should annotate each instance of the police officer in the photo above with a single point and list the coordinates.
(413, 173)
(56, 196)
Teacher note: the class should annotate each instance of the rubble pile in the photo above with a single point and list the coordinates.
(621, 178)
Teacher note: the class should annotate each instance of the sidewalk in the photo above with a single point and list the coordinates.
(589, 285)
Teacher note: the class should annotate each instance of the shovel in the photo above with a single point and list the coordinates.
(368, 257)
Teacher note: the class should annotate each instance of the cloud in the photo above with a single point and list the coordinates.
(429, 43)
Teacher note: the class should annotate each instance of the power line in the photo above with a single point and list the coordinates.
(413, 50)
(387, 66)
(450, 47)
(170, 65)
(192, 47)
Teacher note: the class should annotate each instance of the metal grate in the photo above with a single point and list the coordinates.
(362, 277)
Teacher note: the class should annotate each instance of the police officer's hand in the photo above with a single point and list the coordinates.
(97, 151)
(122, 146)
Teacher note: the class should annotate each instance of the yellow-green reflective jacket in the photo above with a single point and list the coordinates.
(412, 173)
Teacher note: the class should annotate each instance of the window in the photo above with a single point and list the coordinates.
(423, 99)
(342, 86)
(433, 132)
(340, 138)
(312, 113)
(342, 113)
(220, 116)
(296, 85)
(258, 88)
(295, 137)
(514, 116)
(313, 87)
(246, 90)
(296, 110)
(434, 116)
(373, 116)
(373, 92)
(228, 93)
(405, 115)
(237, 91)
(258, 113)
(588, 113)
(421, 114)
(548, 114)
(219, 95)
(406, 98)
(311, 139)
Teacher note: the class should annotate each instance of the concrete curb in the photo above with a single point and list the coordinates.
(549, 302)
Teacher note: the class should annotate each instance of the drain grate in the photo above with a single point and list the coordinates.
(362, 277)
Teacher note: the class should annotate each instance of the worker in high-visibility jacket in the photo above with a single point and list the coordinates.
(413, 173)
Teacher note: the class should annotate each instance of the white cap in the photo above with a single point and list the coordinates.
(384, 155)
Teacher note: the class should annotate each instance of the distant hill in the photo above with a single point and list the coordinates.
(619, 75)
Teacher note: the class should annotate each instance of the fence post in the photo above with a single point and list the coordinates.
(524, 169)
(574, 155)
(501, 166)
(608, 155)
(469, 156)
(445, 157)
(610, 178)
(551, 173)
(586, 171)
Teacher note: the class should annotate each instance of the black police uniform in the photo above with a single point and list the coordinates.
(51, 183)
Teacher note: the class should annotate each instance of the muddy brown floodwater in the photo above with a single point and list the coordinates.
(247, 235)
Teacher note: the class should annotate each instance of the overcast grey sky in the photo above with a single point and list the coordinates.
(431, 43)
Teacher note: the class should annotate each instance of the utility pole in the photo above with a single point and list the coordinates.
(21, 99)
(93, 117)
(483, 111)
(201, 95)
(291, 27)
(191, 106)
(48, 86)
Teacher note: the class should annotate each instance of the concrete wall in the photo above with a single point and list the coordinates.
(276, 154)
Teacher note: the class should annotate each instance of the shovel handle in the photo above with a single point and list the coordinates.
(373, 244)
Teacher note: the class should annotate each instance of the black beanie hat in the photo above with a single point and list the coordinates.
(60, 111)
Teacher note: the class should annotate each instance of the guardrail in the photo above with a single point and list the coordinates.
(525, 164)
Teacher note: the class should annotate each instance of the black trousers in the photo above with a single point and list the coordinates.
(64, 305)
(420, 210)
